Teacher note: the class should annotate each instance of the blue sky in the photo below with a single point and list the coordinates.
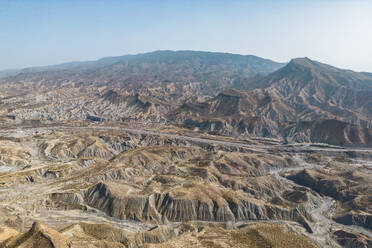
(47, 32)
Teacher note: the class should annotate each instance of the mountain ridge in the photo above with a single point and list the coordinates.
(302, 91)
(128, 57)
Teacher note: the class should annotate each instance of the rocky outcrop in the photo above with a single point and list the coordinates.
(183, 205)
(111, 201)
(67, 201)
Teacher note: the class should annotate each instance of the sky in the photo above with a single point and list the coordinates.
(45, 32)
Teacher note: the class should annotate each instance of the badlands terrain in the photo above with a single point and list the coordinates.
(186, 149)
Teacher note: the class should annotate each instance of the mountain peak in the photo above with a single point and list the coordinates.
(304, 61)
(306, 64)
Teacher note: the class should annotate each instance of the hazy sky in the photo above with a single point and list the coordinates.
(43, 32)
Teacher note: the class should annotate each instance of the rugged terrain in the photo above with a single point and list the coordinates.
(186, 149)
(302, 101)
(152, 187)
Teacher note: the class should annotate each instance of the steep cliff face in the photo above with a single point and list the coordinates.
(188, 203)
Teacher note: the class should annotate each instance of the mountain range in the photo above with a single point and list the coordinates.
(221, 93)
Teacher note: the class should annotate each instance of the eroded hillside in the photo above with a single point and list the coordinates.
(156, 189)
